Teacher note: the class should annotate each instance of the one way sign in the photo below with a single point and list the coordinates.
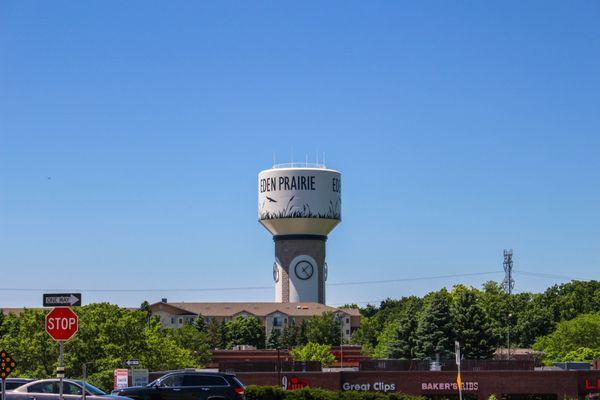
(62, 299)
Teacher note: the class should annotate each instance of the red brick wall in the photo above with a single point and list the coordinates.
(565, 384)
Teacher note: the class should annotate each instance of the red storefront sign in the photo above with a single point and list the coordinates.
(591, 385)
(294, 383)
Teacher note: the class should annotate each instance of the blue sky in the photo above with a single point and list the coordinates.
(131, 135)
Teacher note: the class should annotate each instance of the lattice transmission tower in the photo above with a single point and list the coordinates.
(508, 283)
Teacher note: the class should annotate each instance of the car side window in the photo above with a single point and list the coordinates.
(203, 380)
(13, 385)
(43, 387)
(71, 388)
(172, 381)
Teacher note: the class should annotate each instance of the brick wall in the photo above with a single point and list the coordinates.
(564, 384)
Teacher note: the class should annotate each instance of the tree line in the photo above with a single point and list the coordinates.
(563, 322)
(109, 335)
(425, 327)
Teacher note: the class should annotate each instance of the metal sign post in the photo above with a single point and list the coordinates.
(458, 378)
(60, 371)
(132, 364)
(61, 323)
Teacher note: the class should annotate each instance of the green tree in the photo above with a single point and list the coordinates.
(314, 352)
(405, 343)
(162, 351)
(289, 336)
(216, 333)
(195, 341)
(274, 339)
(324, 329)
(582, 332)
(495, 304)
(583, 354)
(200, 324)
(145, 307)
(29, 343)
(533, 320)
(301, 339)
(386, 340)
(569, 300)
(245, 331)
(434, 331)
(1, 323)
(367, 332)
(108, 335)
(369, 311)
(471, 325)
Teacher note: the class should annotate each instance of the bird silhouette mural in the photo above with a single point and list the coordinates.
(271, 200)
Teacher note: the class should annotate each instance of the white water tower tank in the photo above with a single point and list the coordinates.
(299, 204)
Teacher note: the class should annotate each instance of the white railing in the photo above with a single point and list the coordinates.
(300, 165)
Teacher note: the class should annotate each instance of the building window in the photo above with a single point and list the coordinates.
(347, 331)
(181, 320)
(172, 320)
(347, 320)
(277, 321)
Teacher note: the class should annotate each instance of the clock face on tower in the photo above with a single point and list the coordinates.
(304, 269)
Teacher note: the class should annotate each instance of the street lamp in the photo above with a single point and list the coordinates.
(508, 337)
(84, 370)
(341, 319)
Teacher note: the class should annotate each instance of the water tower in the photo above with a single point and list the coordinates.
(299, 204)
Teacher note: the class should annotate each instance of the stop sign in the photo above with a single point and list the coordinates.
(61, 323)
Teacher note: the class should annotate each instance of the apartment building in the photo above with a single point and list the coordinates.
(271, 315)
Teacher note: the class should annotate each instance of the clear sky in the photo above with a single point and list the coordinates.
(131, 135)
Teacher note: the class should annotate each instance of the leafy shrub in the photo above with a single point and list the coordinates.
(314, 352)
(275, 393)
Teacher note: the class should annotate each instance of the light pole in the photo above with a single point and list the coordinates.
(84, 370)
(508, 337)
(341, 319)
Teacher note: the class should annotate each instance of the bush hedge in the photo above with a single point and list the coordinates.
(275, 393)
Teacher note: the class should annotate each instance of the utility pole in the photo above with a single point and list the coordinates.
(341, 319)
(508, 284)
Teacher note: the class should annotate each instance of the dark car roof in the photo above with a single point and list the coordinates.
(192, 372)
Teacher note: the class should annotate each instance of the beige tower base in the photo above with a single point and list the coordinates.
(300, 271)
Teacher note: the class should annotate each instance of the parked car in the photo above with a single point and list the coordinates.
(13, 383)
(189, 385)
(48, 389)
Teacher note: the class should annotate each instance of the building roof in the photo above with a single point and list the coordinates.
(258, 309)
(355, 312)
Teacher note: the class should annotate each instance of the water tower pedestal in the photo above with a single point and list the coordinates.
(300, 270)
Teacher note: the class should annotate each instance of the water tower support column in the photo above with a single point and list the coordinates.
(300, 260)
